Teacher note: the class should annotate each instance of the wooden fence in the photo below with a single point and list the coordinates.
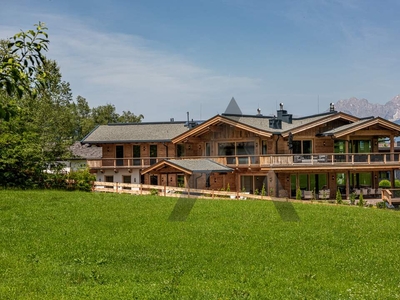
(168, 191)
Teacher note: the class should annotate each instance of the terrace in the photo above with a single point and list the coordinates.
(289, 161)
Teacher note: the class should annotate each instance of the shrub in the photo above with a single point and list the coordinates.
(263, 192)
(352, 198)
(154, 192)
(228, 188)
(298, 194)
(397, 185)
(339, 199)
(361, 201)
(384, 183)
(271, 192)
(81, 180)
(381, 205)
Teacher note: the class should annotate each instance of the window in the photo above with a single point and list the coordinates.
(153, 153)
(208, 149)
(180, 150)
(109, 178)
(264, 147)
(180, 179)
(126, 179)
(136, 153)
(119, 153)
(302, 147)
(254, 184)
(242, 149)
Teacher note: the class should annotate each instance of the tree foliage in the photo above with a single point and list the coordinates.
(39, 119)
(21, 64)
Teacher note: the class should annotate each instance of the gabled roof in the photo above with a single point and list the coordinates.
(85, 151)
(135, 132)
(187, 166)
(260, 124)
(318, 120)
(361, 124)
(218, 120)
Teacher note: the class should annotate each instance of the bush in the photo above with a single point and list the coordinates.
(397, 185)
(352, 198)
(81, 180)
(339, 199)
(263, 192)
(361, 201)
(384, 183)
(381, 205)
(298, 194)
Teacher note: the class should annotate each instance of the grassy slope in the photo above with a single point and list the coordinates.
(62, 245)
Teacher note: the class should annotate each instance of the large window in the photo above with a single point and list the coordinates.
(241, 149)
(312, 182)
(254, 184)
(302, 147)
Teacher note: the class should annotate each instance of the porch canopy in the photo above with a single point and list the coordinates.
(187, 166)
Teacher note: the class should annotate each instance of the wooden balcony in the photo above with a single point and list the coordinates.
(291, 161)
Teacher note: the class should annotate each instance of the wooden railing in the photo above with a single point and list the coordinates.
(292, 160)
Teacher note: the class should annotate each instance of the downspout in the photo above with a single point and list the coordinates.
(201, 175)
(166, 152)
(276, 144)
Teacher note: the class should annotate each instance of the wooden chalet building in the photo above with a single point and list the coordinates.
(318, 154)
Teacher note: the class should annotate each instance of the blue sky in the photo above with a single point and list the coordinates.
(165, 58)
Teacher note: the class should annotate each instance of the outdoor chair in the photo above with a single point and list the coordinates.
(308, 195)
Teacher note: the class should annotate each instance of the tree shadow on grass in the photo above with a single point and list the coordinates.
(182, 209)
(286, 211)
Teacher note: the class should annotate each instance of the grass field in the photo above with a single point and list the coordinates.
(71, 245)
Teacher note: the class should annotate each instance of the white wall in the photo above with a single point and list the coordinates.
(135, 176)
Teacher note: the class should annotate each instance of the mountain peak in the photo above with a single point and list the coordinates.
(363, 108)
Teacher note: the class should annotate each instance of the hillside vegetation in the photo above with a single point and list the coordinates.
(75, 245)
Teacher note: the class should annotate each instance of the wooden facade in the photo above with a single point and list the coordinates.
(323, 153)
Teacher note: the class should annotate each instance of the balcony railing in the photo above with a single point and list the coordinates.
(282, 160)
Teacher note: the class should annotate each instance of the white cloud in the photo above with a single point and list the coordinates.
(131, 73)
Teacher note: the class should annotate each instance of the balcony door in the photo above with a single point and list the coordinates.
(119, 154)
(136, 155)
(153, 153)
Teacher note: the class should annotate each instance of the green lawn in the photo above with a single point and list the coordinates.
(71, 245)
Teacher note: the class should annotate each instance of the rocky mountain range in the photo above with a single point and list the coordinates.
(363, 108)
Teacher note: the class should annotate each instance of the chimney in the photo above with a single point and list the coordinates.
(275, 123)
(332, 107)
(283, 115)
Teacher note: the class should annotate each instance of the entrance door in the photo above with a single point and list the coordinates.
(154, 180)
